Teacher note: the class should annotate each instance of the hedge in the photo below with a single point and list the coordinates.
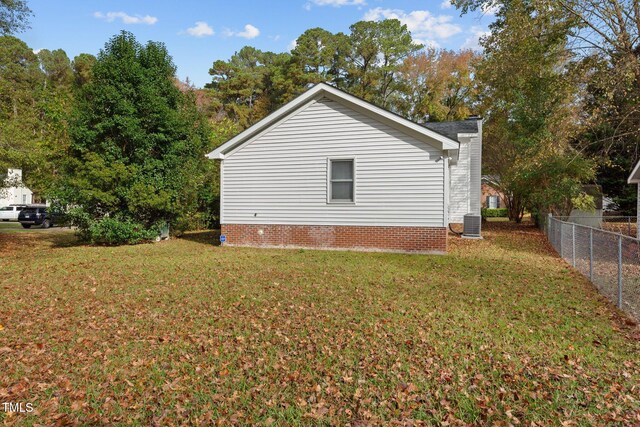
(494, 213)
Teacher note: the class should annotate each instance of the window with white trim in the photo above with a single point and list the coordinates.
(341, 180)
(493, 202)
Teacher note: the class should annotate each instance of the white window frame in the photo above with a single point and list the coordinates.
(341, 158)
(495, 198)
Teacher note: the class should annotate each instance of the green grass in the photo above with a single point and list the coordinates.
(498, 331)
(15, 227)
(7, 226)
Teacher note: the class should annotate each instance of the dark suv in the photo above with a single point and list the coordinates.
(35, 215)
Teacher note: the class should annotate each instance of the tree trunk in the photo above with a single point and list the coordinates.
(515, 207)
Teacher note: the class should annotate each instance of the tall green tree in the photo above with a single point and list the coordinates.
(137, 141)
(530, 93)
(366, 62)
(56, 67)
(240, 84)
(14, 16)
(376, 52)
(83, 69)
(35, 102)
(20, 77)
(253, 83)
(604, 39)
(315, 55)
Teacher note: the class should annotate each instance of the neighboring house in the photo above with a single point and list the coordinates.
(14, 192)
(491, 198)
(592, 217)
(329, 170)
(634, 178)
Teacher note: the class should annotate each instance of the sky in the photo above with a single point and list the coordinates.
(197, 33)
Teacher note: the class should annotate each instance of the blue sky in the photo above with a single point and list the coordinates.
(199, 32)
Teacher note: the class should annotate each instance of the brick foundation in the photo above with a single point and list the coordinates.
(400, 239)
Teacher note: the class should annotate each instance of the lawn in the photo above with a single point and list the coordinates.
(498, 331)
(10, 226)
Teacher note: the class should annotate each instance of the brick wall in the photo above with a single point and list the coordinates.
(487, 190)
(406, 239)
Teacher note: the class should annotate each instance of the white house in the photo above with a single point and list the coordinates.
(15, 192)
(330, 170)
(634, 178)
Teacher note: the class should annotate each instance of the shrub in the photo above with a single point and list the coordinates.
(109, 230)
(80, 219)
(494, 213)
(193, 221)
(115, 231)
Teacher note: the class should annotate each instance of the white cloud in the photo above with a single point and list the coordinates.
(335, 3)
(292, 45)
(250, 32)
(427, 43)
(125, 18)
(446, 4)
(422, 23)
(473, 41)
(37, 51)
(200, 29)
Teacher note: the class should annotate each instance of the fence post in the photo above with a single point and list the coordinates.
(561, 239)
(619, 271)
(591, 255)
(573, 245)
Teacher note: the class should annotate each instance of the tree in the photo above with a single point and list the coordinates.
(35, 102)
(532, 105)
(376, 52)
(14, 16)
(240, 83)
(366, 62)
(315, 55)
(137, 141)
(56, 66)
(437, 85)
(82, 68)
(20, 79)
(604, 38)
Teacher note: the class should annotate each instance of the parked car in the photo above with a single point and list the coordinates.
(11, 212)
(36, 215)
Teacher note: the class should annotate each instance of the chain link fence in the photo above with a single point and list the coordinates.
(611, 261)
(626, 225)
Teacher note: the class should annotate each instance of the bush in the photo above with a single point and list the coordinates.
(109, 230)
(494, 213)
(114, 231)
(194, 221)
(81, 219)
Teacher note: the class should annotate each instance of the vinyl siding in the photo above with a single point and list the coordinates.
(475, 175)
(281, 176)
(460, 184)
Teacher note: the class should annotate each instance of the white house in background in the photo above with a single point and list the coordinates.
(15, 193)
(329, 170)
(634, 178)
